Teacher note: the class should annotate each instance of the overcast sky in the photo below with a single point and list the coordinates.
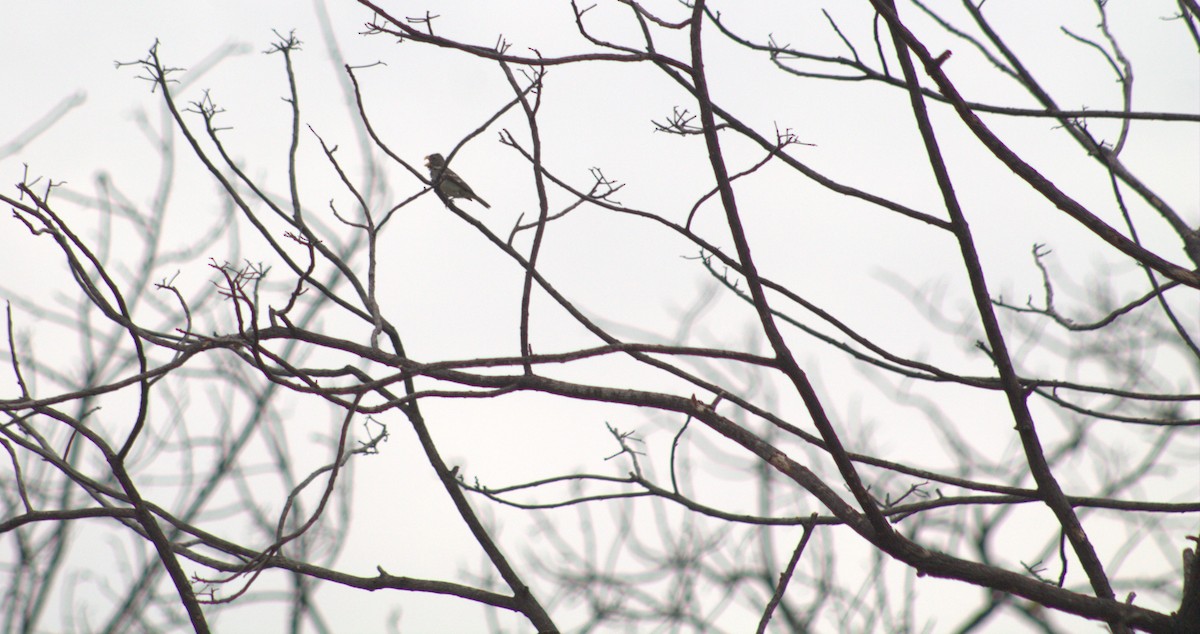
(455, 296)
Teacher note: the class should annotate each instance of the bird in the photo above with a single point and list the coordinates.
(451, 185)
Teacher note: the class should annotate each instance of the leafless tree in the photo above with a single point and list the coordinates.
(790, 450)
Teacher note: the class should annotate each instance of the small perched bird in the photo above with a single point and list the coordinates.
(451, 185)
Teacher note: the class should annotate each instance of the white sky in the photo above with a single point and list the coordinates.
(454, 296)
